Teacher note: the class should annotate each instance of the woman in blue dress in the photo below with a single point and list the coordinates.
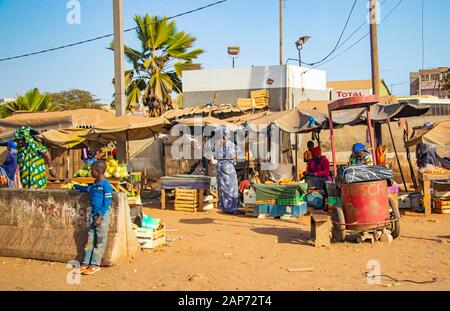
(225, 152)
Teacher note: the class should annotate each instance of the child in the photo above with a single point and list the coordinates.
(100, 197)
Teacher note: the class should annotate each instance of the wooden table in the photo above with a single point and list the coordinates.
(425, 180)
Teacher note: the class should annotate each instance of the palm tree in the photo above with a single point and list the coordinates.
(158, 64)
(31, 101)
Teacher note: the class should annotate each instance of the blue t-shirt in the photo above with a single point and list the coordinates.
(10, 164)
(100, 196)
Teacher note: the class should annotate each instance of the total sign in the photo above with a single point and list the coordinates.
(338, 94)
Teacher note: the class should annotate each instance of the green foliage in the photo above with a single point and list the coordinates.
(75, 99)
(157, 65)
(31, 101)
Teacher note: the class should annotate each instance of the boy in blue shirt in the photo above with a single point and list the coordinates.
(100, 197)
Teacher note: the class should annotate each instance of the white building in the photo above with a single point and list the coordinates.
(6, 100)
(287, 85)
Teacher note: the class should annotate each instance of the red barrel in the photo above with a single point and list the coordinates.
(366, 205)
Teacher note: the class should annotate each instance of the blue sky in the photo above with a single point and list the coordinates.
(32, 25)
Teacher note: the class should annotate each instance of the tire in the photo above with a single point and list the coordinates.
(338, 230)
(395, 216)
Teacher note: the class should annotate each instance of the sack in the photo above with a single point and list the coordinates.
(315, 200)
(363, 173)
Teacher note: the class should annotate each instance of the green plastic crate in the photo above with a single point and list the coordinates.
(292, 201)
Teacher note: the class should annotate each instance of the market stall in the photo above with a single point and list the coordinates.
(437, 135)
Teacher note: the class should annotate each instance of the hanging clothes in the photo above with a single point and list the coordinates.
(31, 160)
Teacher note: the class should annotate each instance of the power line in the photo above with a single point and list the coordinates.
(357, 29)
(108, 35)
(362, 38)
(340, 37)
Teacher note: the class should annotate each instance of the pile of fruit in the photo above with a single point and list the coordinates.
(114, 169)
(435, 170)
(3, 181)
(71, 185)
(84, 172)
(286, 182)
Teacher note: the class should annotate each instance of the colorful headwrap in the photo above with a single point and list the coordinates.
(316, 151)
(358, 147)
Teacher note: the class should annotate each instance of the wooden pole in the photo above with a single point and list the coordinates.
(396, 156)
(119, 71)
(372, 139)
(296, 157)
(376, 83)
(333, 147)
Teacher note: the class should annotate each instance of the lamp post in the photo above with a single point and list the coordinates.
(233, 51)
(299, 44)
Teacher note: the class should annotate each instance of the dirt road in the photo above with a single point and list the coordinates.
(211, 251)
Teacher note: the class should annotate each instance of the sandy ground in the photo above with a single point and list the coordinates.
(212, 251)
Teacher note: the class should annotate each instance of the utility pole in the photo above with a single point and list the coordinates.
(119, 72)
(281, 32)
(376, 84)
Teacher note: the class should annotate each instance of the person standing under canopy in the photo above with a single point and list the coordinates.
(30, 158)
(307, 155)
(360, 156)
(225, 152)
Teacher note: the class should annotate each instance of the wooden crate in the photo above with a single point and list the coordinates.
(245, 102)
(186, 200)
(259, 93)
(442, 206)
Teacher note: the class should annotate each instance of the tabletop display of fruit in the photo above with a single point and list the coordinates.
(71, 185)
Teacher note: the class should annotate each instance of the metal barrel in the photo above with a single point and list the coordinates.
(365, 205)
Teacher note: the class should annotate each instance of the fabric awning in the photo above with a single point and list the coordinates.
(128, 127)
(40, 121)
(64, 138)
(438, 134)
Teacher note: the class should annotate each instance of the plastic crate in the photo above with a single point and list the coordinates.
(273, 211)
(293, 210)
(292, 201)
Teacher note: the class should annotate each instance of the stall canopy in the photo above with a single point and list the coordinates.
(128, 127)
(204, 121)
(42, 121)
(291, 121)
(438, 134)
(64, 138)
(218, 110)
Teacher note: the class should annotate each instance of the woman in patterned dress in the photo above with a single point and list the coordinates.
(30, 157)
(225, 152)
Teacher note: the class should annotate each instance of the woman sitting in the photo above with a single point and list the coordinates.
(318, 166)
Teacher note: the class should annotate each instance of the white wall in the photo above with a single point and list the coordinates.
(233, 79)
(311, 79)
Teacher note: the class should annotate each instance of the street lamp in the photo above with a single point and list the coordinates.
(233, 51)
(299, 43)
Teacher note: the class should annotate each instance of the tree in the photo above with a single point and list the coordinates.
(75, 99)
(31, 101)
(158, 64)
